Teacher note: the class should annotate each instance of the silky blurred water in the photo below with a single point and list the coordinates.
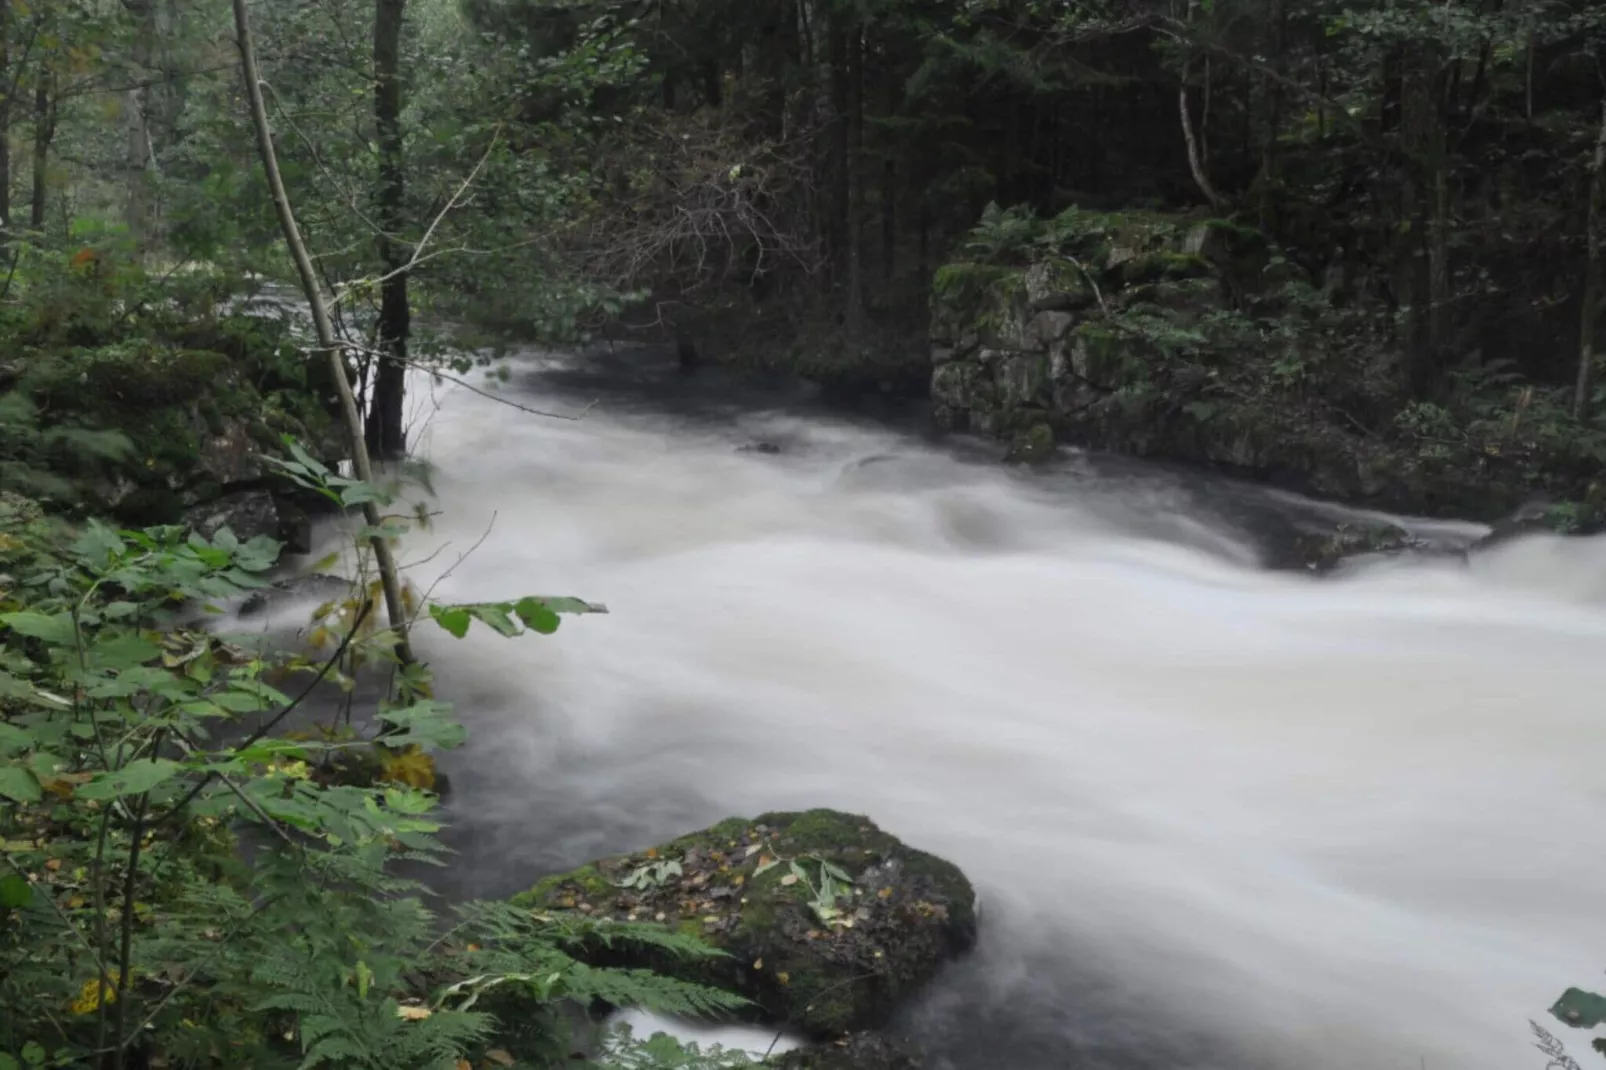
(1219, 816)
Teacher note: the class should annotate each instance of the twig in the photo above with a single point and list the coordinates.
(465, 384)
(464, 556)
(429, 232)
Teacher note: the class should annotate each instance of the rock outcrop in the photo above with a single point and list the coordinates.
(828, 923)
(1192, 339)
(196, 410)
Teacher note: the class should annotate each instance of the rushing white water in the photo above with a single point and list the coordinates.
(1218, 816)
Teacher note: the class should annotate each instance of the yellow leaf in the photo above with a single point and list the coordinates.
(92, 992)
(758, 964)
(411, 767)
(413, 1014)
(784, 978)
(500, 1057)
(789, 880)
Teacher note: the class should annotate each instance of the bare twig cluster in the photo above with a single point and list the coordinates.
(696, 201)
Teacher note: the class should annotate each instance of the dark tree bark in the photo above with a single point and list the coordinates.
(44, 131)
(854, 312)
(7, 80)
(1590, 313)
(386, 433)
(838, 144)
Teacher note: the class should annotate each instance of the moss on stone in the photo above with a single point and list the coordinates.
(749, 886)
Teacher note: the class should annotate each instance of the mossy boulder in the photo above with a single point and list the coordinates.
(828, 923)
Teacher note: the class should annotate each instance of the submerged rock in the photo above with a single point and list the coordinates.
(856, 1051)
(829, 923)
(1326, 551)
(248, 514)
(1032, 446)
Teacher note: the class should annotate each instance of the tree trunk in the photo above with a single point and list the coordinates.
(389, 578)
(1195, 160)
(1272, 87)
(7, 80)
(1422, 255)
(44, 131)
(838, 144)
(1589, 314)
(855, 180)
(387, 435)
(137, 132)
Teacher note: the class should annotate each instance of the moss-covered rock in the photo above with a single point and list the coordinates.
(829, 923)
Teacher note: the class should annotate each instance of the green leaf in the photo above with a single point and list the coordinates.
(454, 619)
(563, 604)
(1580, 1009)
(56, 629)
(9, 1062)
(121, 651)
(15, 892)
(135, 778)
(425, 722)
(537, 615)
(13, 739)
(18, 784)
(33, 1053)
(498, 616)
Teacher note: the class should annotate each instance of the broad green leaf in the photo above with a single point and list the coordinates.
(1580, 1009)
(537, 615)
(497, 616)
(14, 739)
(427, 723)
(454, 619)
(18, 784)
(9, 1062)
(135, 778)
(564, 604)
(15, 892)
(122, 651)
(56, 629)
(33, 1053)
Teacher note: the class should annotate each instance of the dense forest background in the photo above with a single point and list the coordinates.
(775, 182)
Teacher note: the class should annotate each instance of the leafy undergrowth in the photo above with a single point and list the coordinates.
(182, 884)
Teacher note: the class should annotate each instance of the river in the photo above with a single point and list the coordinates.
(1220, 817)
